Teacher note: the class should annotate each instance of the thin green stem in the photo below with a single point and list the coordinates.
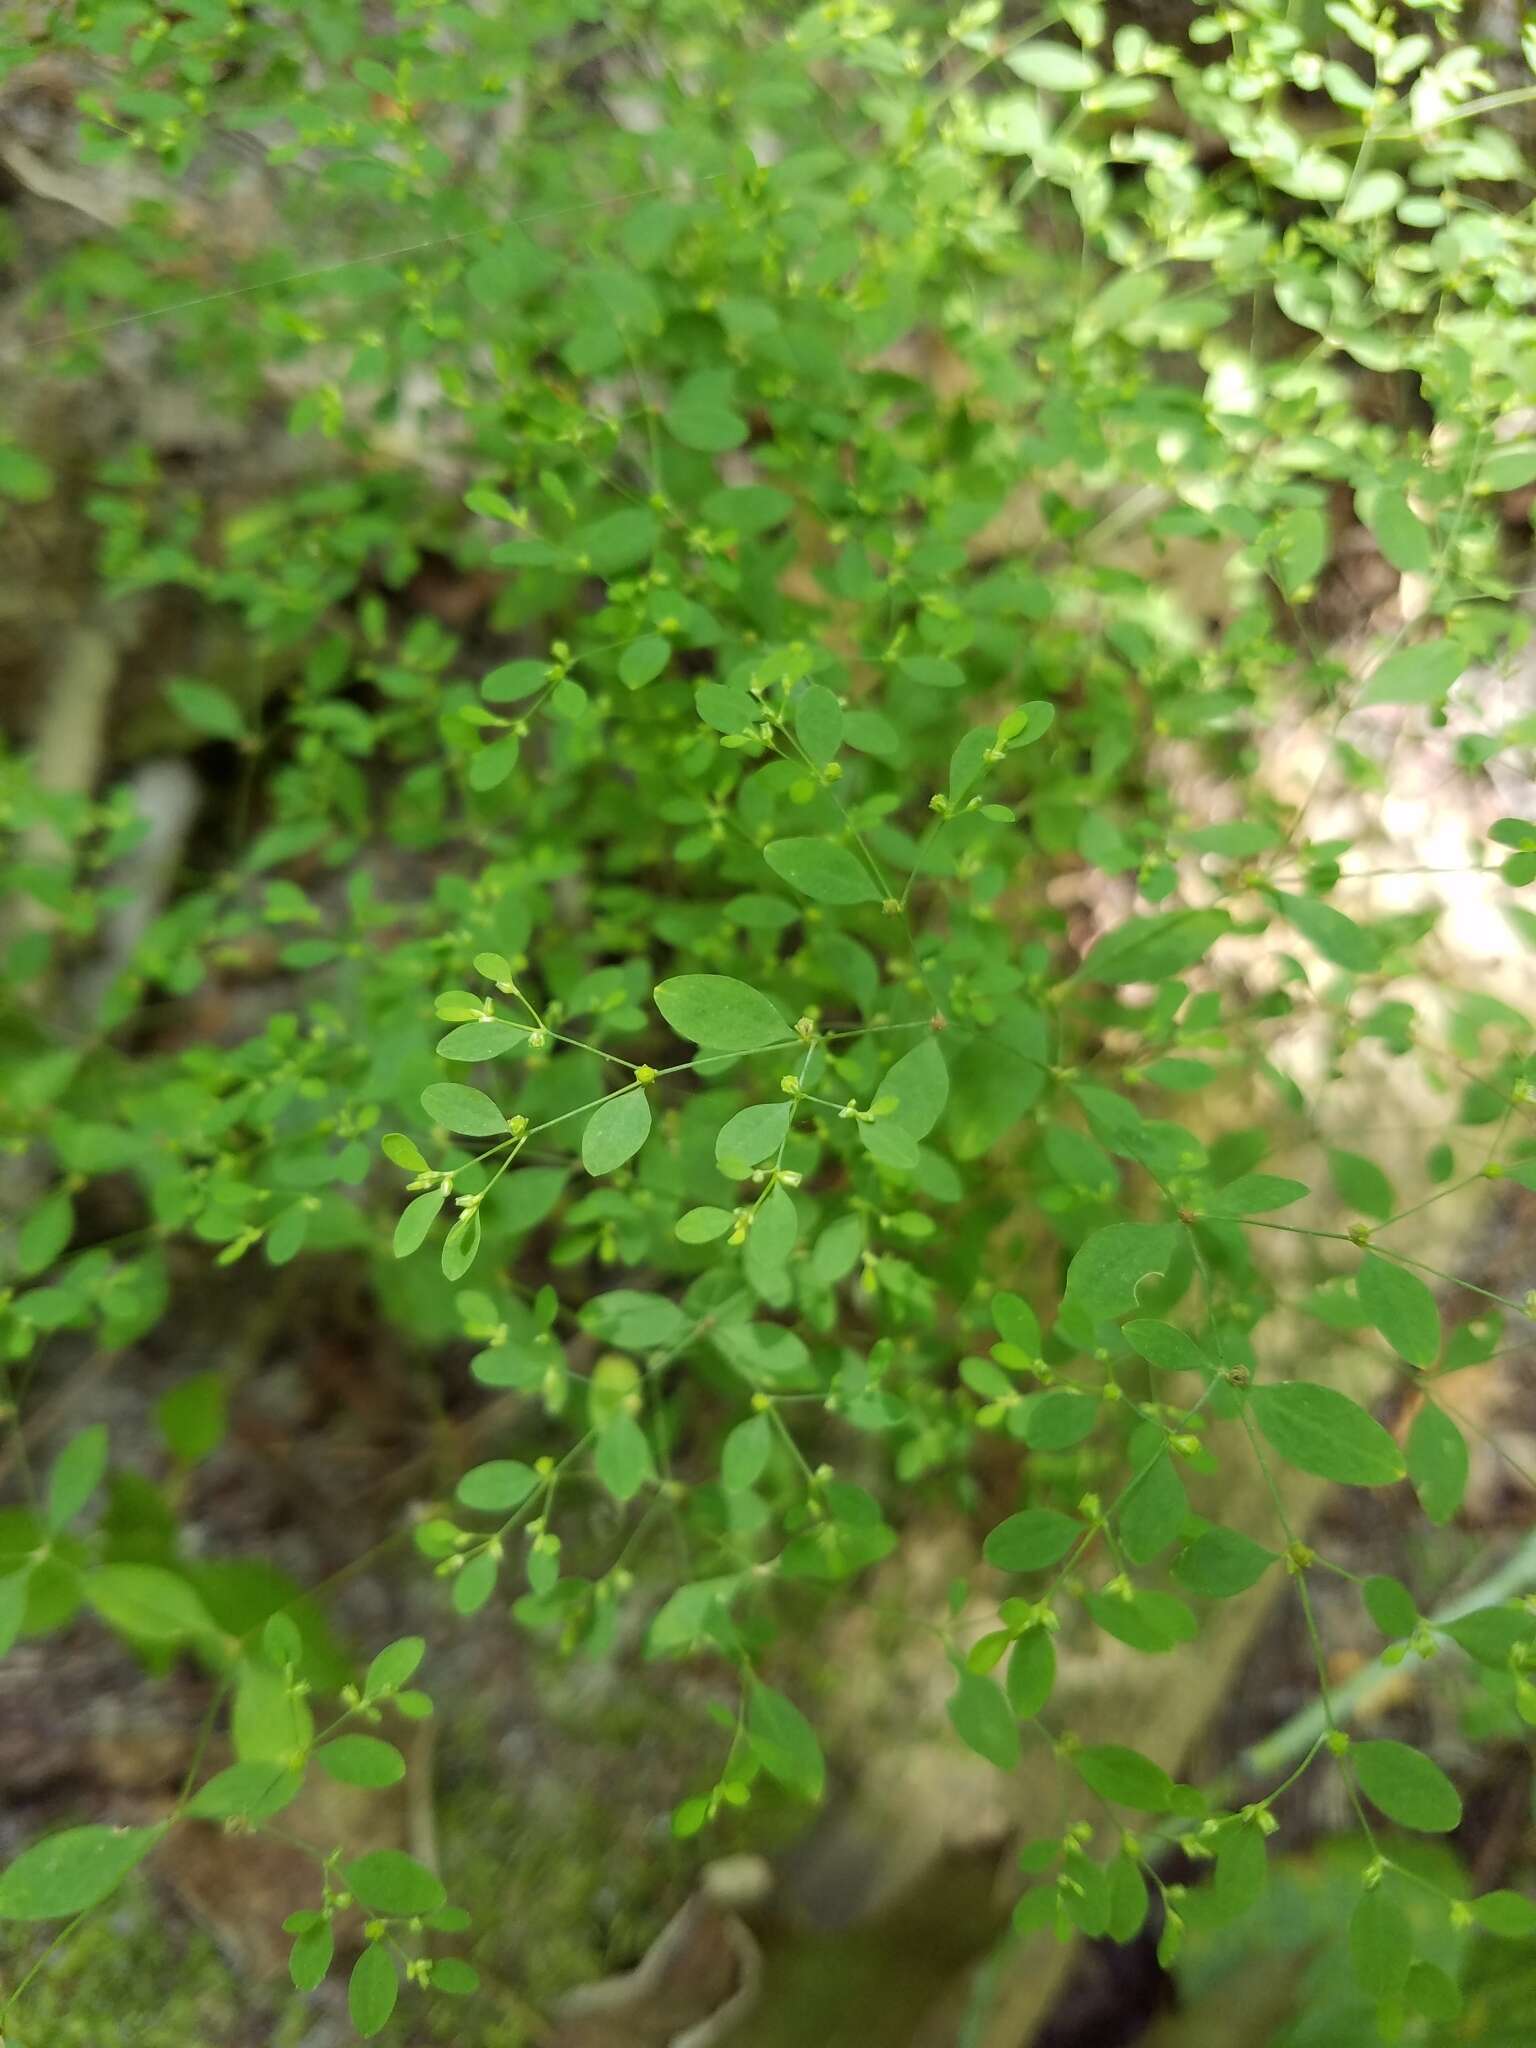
(1309, 1617)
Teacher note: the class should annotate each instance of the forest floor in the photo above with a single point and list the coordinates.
(544, 1796)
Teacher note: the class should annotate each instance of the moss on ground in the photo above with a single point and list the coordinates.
(567, 1878)
(139, 1976)
(550, 1905)
(554, 1836)
(567, 1871)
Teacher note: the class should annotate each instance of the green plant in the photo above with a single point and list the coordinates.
(764, 1064)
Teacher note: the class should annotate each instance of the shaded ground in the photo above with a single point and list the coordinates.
(550, 1786)
(546, 1796)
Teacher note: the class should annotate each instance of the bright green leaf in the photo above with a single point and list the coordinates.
(465, 1110)
(361, 1760)
(1031, 1540)
(1254, 1194)
(822, 870)
(484, 1040)
(623, 1459)
(416, 1219)
(513, 680)
(1152, 948)
(1401, 535)
(1218, 1564)
(1361, 1183)
(980, 1715)
(1322, 1431)
(704, 1225)
(1409, 1787)
(309, 1960)
(1031, 1673)
(147, 1601)
(1416, 675)
(75, 1475)
(1109, 1266)
(751, 1136)
(388, 1881)
(616, 1130)
(643, 660)
(372, 1990)
(455, 1977)
(1510, 1915)
(1437, 1463)
(818, 723)
(711, 429)
(1058, 1420)
(493, 763)
(68, 1873)
(1055, 66)
(1390, 1605)
(784, 1742)
(1164, 1346)
(394, 1666)
(1401, 1307)
(918, 1084)
(1370, 197)
(1337, 937)
(744, 1454)
(720, 1014)
(888, 1143)
(497, 1487)
(1153, 1511)
(1125, 1777)
(194, 1415)
(1380, 1943)
(207, 710)
(252, 1791)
